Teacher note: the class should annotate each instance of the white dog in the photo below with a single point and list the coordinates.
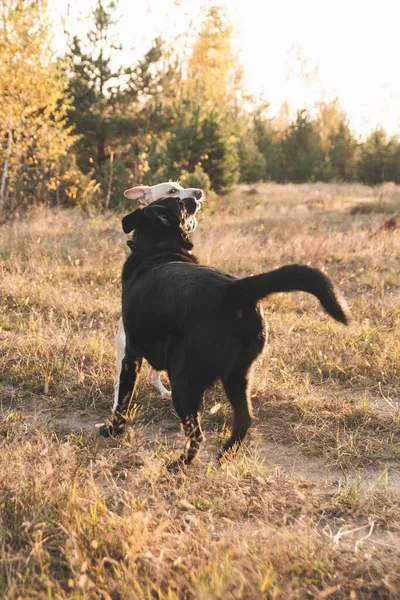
(146, 194)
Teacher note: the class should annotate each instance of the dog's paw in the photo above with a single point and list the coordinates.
(166, 394)
(105, 430)
(223, 459)
(116, 427)
(225, 456)
(176, 466)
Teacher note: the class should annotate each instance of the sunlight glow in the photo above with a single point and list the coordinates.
(347, 49)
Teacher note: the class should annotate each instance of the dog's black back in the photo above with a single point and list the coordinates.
(195, 322)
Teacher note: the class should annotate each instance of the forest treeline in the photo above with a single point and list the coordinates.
(77, 130)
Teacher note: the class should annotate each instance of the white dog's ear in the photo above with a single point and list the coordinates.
(139, 192)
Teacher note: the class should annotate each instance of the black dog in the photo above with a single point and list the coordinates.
(195, 322)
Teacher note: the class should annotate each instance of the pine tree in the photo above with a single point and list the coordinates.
(253, 164)
(114, 109)
(337, 141)
(95, 88)
(393, 172)
(219, 159)
(185, 146)
(268, 140)
(378, 159)
(341, 152)
(196, 139)
(302, 155)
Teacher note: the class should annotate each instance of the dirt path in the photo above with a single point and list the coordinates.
(288, 459)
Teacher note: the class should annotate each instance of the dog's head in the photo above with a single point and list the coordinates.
(165, 220)
(146, 194)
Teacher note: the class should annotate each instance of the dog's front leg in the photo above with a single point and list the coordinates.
(194, 436)
(130, 369)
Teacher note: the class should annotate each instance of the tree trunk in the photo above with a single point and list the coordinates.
(5, 173)
(14, 170)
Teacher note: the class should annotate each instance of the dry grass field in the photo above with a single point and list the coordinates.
(310, 507)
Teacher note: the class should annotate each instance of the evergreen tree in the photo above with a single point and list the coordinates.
(337, 141)
(393, 172)
(268, 141)
(196, 139)
(378, 159)
(301, 154)
(341, 152)
(253, 164)
(185, 146)
(219, 158)
(114, 109)
(94, 87)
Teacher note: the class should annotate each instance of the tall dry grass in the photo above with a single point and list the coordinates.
(309, 508)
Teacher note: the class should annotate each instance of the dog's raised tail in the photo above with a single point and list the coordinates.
(290, 278)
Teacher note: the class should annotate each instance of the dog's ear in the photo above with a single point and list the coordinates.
(139, 192)
(132, 221)
(136, 218)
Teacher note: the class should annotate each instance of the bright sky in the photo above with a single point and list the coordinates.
(351, 46)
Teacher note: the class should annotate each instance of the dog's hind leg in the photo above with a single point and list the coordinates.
(237, 388)
(130, 369)
(155, 380)
(187, 401)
